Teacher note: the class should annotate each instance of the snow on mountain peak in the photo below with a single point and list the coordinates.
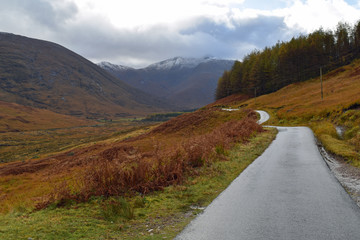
(114, 67)
(179, 62)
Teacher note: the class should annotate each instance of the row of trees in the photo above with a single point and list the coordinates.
(294, 61)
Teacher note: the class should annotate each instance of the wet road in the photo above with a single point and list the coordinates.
(264, 116)
(287, 193)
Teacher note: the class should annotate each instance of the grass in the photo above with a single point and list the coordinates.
(123, 168)
(301, 104)
(35, 144)
(22, 191)
(161, 156)
(18, 118)
(157, 215)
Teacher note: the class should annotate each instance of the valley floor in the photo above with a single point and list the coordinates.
(158, 215)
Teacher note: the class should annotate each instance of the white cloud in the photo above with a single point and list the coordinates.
(314, 14)
(142, 13)
(140, 32)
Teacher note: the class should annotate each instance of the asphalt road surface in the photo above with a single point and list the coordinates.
(287, 193)
(264, 116)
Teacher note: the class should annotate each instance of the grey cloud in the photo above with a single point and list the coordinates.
(102, 41)
(105, 42)
(98, 40)
(260, 32)
(40, 12)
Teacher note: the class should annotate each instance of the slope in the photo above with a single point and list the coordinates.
(15, 118)
(46, 75)
(186, 82)
(335, 119)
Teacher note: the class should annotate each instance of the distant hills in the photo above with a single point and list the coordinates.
(185, 82)
(46, 75)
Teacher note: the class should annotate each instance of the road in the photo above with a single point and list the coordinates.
(264, 116)
(287, 193)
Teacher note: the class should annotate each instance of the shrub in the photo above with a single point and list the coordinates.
(325, 128)
(349, 134)
(140, 202)
(116, 208)
(124, 169)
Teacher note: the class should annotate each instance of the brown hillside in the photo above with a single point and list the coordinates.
(301, 104)
(341, 91)
(46, 75)
(15, 118)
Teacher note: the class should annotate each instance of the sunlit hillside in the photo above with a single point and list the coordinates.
(302, 104)
(341, 91)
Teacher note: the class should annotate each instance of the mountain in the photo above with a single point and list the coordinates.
(46, 75)
(186, 82)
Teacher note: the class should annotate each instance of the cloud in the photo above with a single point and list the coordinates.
(37, 13)
(140, 32)
(313, 14)
(142, 46)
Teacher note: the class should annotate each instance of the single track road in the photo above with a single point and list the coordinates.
(287, 193)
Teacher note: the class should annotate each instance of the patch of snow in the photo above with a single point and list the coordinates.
(179, 62)
(114, 67)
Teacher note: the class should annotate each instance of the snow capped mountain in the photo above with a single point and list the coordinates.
(113, 67)
(185, 82)
(169, 64)
(179, 62)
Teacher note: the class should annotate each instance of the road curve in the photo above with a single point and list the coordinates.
(287, 193)
(264, 116)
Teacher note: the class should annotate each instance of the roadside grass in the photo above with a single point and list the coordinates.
(124, 168)
(157, 215)
(161, 156)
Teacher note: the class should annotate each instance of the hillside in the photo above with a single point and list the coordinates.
(335, 119)
(164, 155)
(162, 150)
(46, 75)
(186, 82)
(301, 58)
(16, 118)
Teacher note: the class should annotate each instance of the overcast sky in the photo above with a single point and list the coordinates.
(140, 32)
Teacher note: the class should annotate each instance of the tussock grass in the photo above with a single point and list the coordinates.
(124, 169)
(158, 215)
(36, 144)
(118, 165)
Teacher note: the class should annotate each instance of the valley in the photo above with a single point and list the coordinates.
(187, 83)
(80, 160)
(35, 144)
(198, 145)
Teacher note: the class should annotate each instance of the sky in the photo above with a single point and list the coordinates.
(137, 33)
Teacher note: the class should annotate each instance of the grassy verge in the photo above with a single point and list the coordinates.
(159, 215)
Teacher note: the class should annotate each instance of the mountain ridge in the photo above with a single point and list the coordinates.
(46, 75)
(185, 82)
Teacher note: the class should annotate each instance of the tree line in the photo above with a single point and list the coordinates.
(300, 59)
